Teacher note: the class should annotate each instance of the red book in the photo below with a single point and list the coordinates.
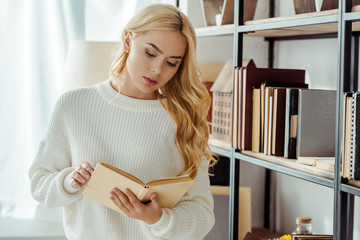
(253, 77)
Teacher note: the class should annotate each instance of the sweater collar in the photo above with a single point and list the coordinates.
(111, 96)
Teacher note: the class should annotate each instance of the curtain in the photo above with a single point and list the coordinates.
(34, 38)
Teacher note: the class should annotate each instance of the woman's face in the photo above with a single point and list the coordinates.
(154, 58)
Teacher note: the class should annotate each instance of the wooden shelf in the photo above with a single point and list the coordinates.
(316, 23)
(289, 167)
(224, 30)
(332, 12)
(220, 190)
(326, 28)
(325, 22)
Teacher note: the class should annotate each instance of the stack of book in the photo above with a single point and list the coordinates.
(351, 136)
(276, 114)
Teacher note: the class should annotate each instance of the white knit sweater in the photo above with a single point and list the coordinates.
(97, 124)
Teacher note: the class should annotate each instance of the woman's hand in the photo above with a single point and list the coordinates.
(81, 175)
(132, 207)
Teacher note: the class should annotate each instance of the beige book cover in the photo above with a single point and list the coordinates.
(106, 177)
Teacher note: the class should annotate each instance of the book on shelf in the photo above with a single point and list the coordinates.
(278, 126)
(310, 161)
(255, 131)
(355, 138)
(237, 91)
(291, 117)
(107, 177)
(347, 120)
(316, 123)
(253, 77)
(323, 163)
(236, 107)
(326, 163)
(267, 107)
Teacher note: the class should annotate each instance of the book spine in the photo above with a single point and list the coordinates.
(287, 123)
(291, 123)
(270, 126)
(300, 113)
(266, 121)
(142, 193)
(355, 174)
(343, 136)
(353, 140)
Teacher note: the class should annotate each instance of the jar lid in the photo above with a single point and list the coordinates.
(303, 220)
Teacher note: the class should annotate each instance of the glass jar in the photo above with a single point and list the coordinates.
(303, 226)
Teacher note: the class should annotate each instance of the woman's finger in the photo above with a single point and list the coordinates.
(124, 199)
(116, 199)
(83, 172)
(78, 177)
(87, 167)
(74, 183)
(132, 198)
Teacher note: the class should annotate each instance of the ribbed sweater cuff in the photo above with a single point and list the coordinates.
(162, 223)
(66, 183)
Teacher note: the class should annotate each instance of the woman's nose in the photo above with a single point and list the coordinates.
(156, 67)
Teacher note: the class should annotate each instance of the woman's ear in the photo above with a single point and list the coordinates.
(127, 41)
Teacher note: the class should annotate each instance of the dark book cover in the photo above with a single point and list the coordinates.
(264, 111)
(355, 143)
(291, 114)
(253, 77)
(279, 122)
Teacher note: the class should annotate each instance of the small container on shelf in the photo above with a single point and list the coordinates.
(303, 226)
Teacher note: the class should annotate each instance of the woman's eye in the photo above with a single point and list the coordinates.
(149, 54)
(172, 64)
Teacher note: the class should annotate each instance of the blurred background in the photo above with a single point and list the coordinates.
(40, 40)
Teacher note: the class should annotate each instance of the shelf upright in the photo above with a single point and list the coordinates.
(343, 201)
(234, 163)
(267, 197)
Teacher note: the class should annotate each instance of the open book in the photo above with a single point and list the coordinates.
(106, 177)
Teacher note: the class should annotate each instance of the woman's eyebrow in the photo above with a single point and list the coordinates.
(158, 49)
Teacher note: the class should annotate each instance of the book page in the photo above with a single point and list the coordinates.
(169, 193)
(126, 174)
(170, 180)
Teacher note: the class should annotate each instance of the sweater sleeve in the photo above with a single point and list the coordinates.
(52, 164)
(193, 217)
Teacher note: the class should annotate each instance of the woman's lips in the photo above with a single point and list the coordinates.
(150, 81)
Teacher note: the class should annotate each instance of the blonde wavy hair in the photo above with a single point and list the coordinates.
(188, 101)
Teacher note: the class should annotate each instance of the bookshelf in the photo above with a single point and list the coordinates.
(341, 24)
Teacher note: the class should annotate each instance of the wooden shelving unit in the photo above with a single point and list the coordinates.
(225, 30)
(290, 166)
(341, 24)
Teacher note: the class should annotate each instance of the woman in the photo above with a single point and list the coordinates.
(148, 119)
